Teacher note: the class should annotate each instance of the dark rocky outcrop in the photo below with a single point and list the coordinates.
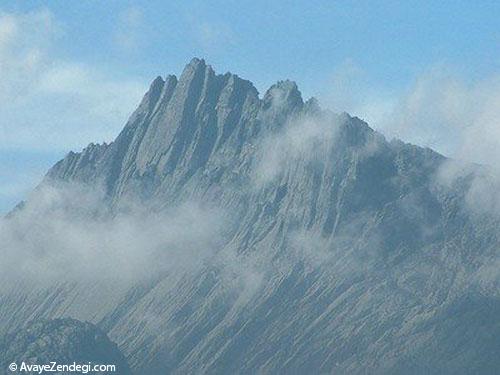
(64, 341)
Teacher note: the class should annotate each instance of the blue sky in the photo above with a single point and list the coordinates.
(427, 72)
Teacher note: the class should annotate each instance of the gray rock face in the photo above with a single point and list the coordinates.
(342, 252)
(63, 341)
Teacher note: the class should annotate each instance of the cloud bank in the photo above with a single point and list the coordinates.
(443, 111)
(65, 233)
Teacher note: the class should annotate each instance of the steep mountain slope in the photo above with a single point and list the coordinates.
(63, 341)
(334, 250)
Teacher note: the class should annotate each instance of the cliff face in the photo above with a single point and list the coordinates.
(341, 252)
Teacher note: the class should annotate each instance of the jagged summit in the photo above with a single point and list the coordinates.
(339, 252)
(187, 121)
(285, 91)
(185, 127)
(200, 90)
(200, 111)
(196, 61)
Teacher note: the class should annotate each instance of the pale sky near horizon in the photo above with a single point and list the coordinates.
(71, 72)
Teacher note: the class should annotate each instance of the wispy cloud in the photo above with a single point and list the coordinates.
(25, 40)
(350, 89)
(65, 232)
(459, 118)
(49, 103)
(443, 111)
(211, 36)
(129, 26)
(305, 136)
(438, 109)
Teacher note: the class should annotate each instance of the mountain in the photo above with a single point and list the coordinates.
(63, 341)
(279, 238)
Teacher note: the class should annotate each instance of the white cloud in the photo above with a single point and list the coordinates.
(346, 87)
(48, 103)
(439, 109)
(302, 137)
(212, 37)
(350, 89)
(65, 232)
(128, 33)
(18, 175)
(443, 111)
(24, 43)
(461, 119)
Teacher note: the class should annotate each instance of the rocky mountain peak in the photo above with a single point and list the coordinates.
(339, 253)
(283, 93)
